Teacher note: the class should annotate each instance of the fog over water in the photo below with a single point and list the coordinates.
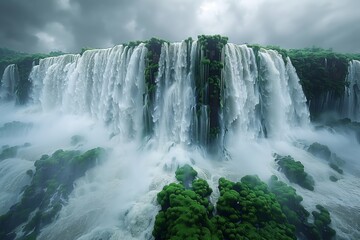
(99, 96)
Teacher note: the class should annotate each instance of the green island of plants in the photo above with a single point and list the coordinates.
(249, 209)
(323, 151)
(50, 187)
(297, 215)
(294, 171)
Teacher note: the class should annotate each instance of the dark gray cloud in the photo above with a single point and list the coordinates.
(69, 25)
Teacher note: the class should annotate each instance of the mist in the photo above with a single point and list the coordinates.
(74, 95)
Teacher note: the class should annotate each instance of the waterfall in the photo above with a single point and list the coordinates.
(106, 84)
(351, 102)
(8, 82)
(175, 94)
(156, 126)
(261, 100)
(241, 95)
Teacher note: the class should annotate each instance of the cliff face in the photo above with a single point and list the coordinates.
(323, 78)
(322, 73)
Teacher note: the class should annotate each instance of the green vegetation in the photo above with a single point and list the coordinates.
(321, 71)
(51, 184)
(297, 215)
(249, 209)
(152, 63)
(321, 221)
(209, 83)
(257, 47)
(24, 62)
(153, 46)
(184, 214)
(294, 171)
(185, 175)
(323, 151)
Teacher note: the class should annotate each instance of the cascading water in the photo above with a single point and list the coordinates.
(283, 104)
(351, 102)
(175, 95)
(263, 111)
(266, 100)
(107, 85)
(8, 82)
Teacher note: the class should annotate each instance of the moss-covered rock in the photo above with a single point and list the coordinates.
(294, 171)
(247, 210)
(323, 151)
(51, 183)
(322, 221)
(319, 150)
(8, 152)
(209, 83)
(184, 214)
(185, 175)
(297, 215)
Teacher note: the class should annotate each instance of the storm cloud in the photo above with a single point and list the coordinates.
(69, 25)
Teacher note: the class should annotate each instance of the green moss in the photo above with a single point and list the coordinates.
(294, 171)
(209, 79)
(322, 221)
(185, 175)
(247, 210)
(297, 215)
(153, 46)
(183, 215)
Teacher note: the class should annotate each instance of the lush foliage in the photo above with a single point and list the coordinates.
(153, 46)
(247, 210)
(321, 71)
(210, 78)
(297, 215)
(184, 212)
(51, 184)
(185, 175)
(294, 171)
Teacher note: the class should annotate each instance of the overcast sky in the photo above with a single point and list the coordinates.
(69, 25)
